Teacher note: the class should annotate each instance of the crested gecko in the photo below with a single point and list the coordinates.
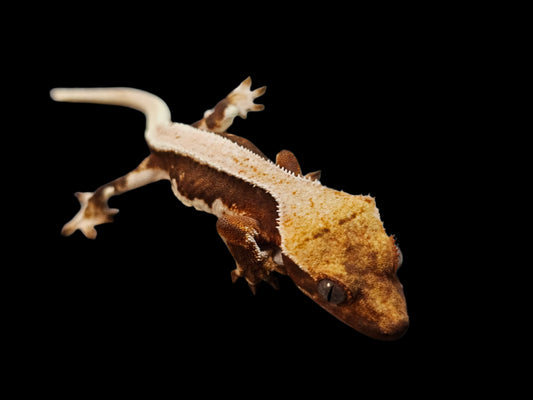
(271, 217)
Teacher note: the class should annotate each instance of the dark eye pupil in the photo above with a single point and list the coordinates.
(331, 292)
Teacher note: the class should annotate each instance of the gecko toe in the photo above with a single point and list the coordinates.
(259, 92)
(235, 275)
(253, 288)
(247, 83)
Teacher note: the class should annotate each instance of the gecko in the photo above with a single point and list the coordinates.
(272, 218)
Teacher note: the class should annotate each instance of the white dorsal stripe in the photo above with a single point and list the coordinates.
(229, 157)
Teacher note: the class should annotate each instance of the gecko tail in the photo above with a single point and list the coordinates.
(155, 109)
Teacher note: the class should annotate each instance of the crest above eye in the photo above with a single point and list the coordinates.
(331, 292)
(399, 262)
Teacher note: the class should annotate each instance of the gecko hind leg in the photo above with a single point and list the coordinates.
(238, 103)
(94, 209)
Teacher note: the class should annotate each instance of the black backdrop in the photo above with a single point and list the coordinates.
(152, 294)
(159, 277)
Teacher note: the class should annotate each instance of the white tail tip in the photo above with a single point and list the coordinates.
(57, 94)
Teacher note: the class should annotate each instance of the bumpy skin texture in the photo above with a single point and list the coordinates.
(272, 218)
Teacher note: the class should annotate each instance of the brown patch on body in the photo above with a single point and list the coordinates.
(321, 232)
(198, 181)
(347, 219)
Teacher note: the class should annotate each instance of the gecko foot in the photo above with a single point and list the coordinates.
(92, 213)
(243, 98)
(253, 280)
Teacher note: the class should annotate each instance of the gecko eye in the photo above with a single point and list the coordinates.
(331, 292)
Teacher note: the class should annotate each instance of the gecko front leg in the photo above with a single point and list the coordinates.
(241, 235)
(94, 209)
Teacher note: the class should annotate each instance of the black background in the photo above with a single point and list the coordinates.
(393, 113)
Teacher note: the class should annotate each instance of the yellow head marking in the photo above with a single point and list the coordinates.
(339, 243)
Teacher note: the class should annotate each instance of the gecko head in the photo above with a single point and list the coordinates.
(374, 306)
(348, 265)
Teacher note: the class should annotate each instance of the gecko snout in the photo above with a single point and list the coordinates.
(393, 330)
(384, 317)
